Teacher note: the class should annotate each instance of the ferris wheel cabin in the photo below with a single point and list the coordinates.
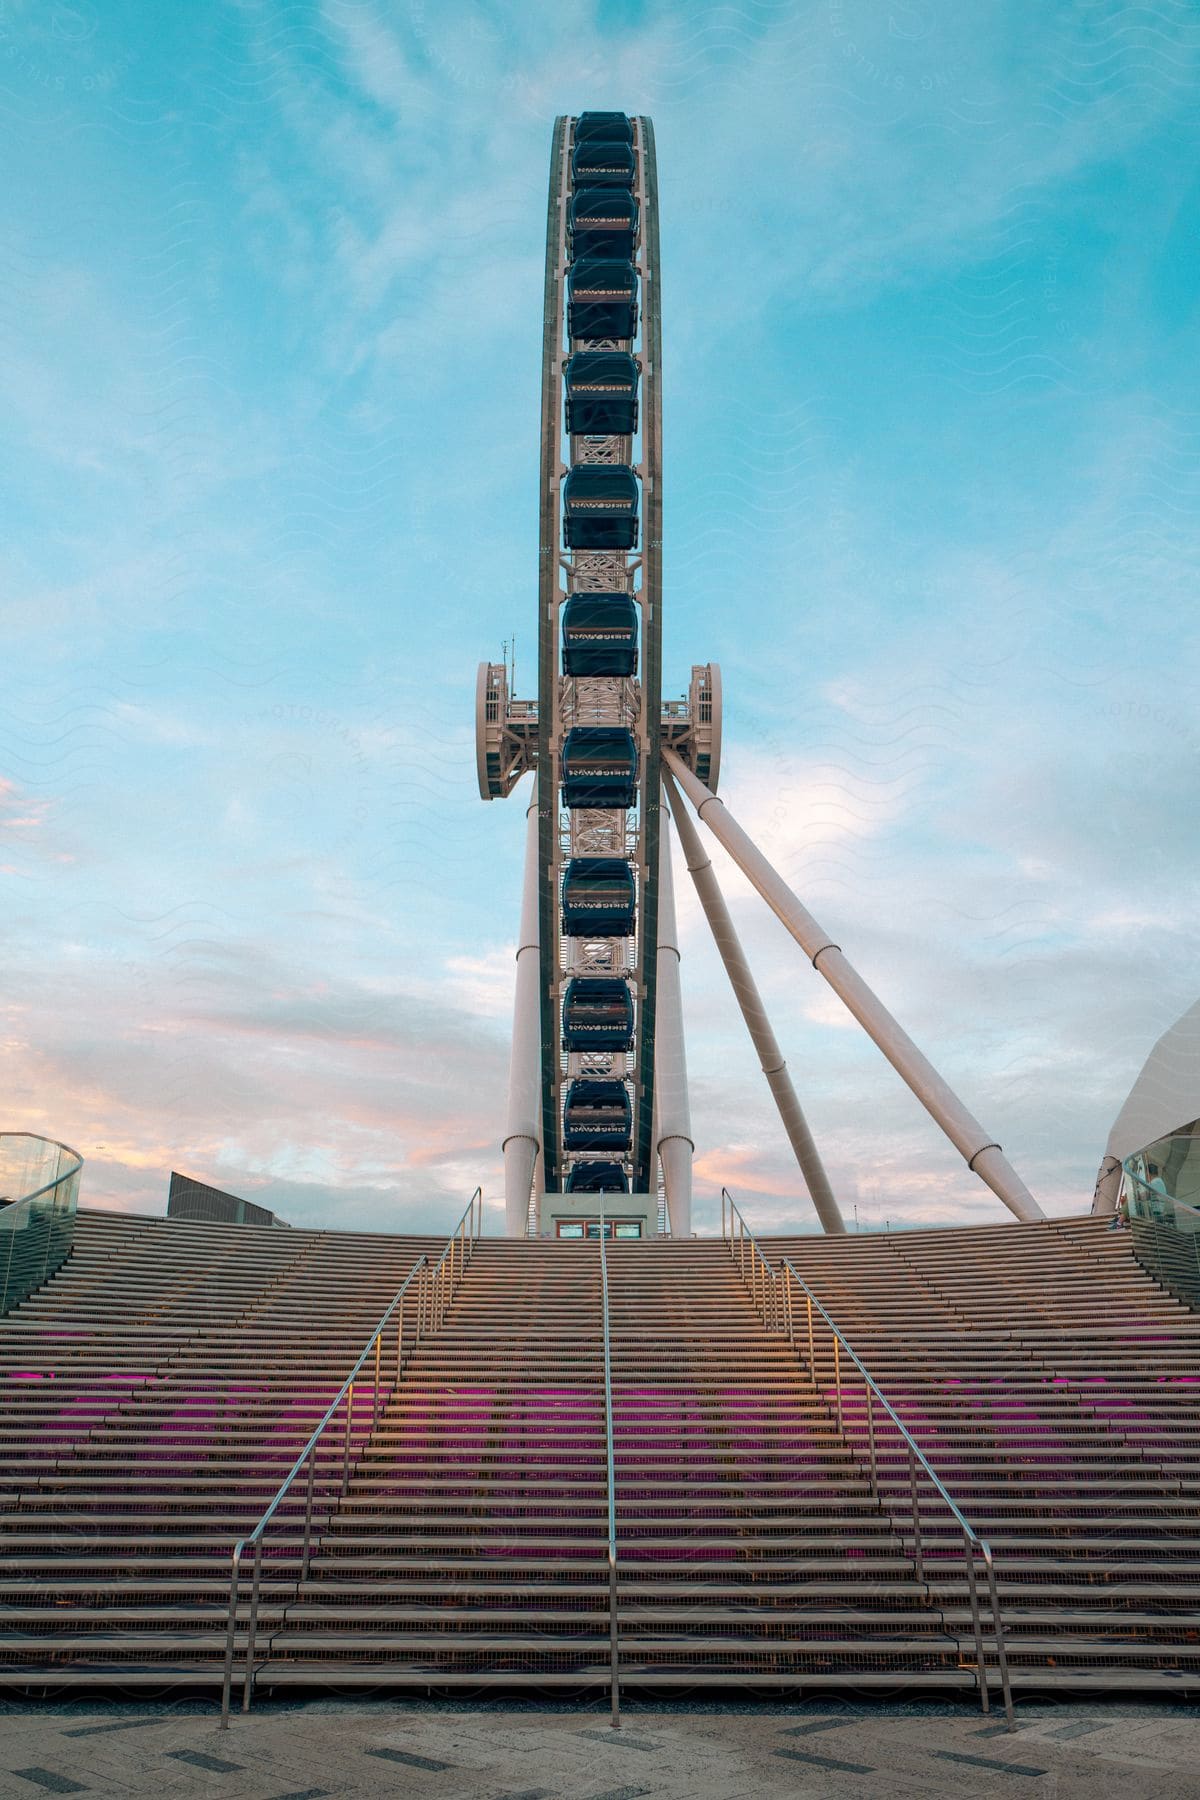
(599, 767)
(597, 1115)
(602, 298)
(601, 388)
(597, 1013)
(600, 507)
(597, 1178)
(599, 897)
(603, 222)
(600, 635)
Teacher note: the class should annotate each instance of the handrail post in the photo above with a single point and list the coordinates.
(308, 1510)
(346, 1439)
(998, 1633)
(252, 1627)
(976, 1622)
(614, 1649)
(375, 1391)
(235, 1582)
(870, 1400)
(837, 1384)
(812, 1358)
(916, 1517)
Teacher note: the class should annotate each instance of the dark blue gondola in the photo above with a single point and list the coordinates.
(602, 298)
(597, 1178)
(597, 1013)
(602, 162)
(600, 507)
(599, 897)
(603, 222)
(609, 127)
(600, 635)
(597, 1115)
(599, 766)
(602, 393)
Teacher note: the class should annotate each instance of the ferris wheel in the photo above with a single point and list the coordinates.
(609, 1115)
(598, 1109)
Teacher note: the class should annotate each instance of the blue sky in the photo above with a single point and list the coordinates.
(271, 326)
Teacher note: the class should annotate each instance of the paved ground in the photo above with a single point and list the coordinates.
(691, 1751)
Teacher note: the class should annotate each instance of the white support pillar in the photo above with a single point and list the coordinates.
(1108, 1185)
(673, 1131)
(981, 1152)
(521, 1138)
(754, 1012)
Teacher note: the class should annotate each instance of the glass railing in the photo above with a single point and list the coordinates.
(1161, 1200)
(39, 1192)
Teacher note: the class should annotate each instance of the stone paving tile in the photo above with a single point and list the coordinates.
(860, 1752)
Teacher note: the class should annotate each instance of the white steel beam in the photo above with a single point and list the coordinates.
(980, 1151)
(673, 1130)
(766, 1044)
(520, 1146)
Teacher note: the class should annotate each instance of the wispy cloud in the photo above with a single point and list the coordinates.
(270, 380)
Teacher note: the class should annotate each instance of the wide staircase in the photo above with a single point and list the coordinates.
(161, 1385)
(1054, 1387)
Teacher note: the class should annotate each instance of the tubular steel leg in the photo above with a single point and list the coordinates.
(998, 1633)
(346, 1439)
(916, 1516)
(976, 1623)
(252, 1628)
(308, 1509)
(870, 1399)
(613, 1647)
(235, 1582)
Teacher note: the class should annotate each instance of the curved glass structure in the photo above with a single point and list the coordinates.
(39, 1193)
(1161, 1191)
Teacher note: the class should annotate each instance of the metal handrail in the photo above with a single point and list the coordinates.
(613, 1645)
(431, 1307)
(770, 1296)
(753, 1266)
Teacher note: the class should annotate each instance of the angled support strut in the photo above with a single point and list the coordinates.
(745, 988)
(980, 1151)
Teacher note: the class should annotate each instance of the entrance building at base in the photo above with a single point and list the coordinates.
(578, 1216)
